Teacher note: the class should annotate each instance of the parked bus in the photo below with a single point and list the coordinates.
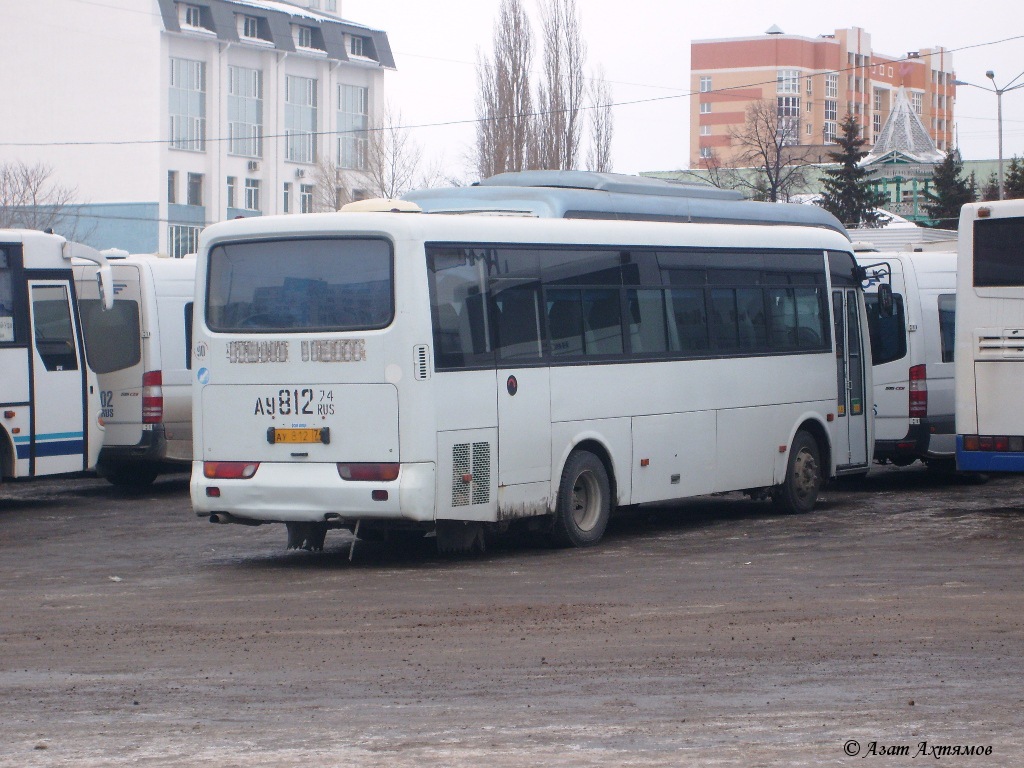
(454, 374)
(990, 337)
(140, 352)
(49, 401)
(912, 354)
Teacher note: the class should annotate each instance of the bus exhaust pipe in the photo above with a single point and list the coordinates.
(223, 518)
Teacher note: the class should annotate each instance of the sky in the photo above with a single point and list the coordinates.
(643, 47)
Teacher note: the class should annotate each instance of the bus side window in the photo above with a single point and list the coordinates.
(947, 316)
(518, 322)
(55, 338)
(6, 300)
(188, 336)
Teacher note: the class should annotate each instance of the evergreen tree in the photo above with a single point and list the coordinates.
(991, 189)
(1013, 181)
(949, 192)
(848, 195)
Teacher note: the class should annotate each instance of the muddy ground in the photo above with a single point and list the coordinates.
(715, 632)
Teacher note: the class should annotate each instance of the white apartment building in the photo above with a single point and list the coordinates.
(168, 115)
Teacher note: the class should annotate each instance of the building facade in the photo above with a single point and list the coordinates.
(168, 115)
(813, 83)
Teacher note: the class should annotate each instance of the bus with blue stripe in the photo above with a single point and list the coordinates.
(990, 337)
(49, 401)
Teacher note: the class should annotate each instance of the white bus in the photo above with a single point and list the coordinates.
(49, 401)
(990, 337)
(140, 352)
(459, 373)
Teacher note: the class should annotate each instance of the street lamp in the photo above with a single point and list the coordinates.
(999, 111)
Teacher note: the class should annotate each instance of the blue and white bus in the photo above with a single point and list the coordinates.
(990, 337)
(49, 401)
(454, 374)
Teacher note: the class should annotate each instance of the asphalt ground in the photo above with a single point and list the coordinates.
(712, 632)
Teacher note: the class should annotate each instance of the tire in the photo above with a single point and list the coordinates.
(799, 490)
(132, 475)
(584, 501)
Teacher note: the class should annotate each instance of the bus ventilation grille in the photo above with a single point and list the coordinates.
(471, 460)
(421, 362)
(1005, 345)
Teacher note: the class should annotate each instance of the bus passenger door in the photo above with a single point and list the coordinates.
(58, 381)
(851, 432)
(524, 391)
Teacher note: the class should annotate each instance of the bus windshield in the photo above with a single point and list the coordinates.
(335, 284)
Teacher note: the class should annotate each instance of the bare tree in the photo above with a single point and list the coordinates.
(393, 157)
(504, 103)
(769, 144)
(599, 155)
(331, 185)
(562, 90)
(30, 198)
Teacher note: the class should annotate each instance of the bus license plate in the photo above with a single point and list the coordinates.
(295, 435)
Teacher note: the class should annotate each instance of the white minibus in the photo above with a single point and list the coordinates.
(455, 374)
(912, 355)
(49, 400)
(990, 337)
(140, 351)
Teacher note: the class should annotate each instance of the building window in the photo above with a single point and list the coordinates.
(789, 106)
(331, 6)
(788, 81)
(232, 184)
(182, 239)
(250, 26)
(304, 37)
(878, 99)
(245, 112)
(252, 194)
(876, 123)
(890, 71)
(831, 86)
(810, 88)
(353, 120)
(300, 119)
(286, 203)
(705, 108)
(705, 130)
(172, 187)
(195, 189)
(355, 46)
(188, 105)
(831, 110)
(916, 102)
(829, 132)
(809, 129)
(193, 16)
(705, 84)
(305, 198)
(705, 153)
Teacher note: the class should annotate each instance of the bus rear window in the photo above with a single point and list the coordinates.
(113, 339)
(888, 334)
(268, 286)
(999, 252)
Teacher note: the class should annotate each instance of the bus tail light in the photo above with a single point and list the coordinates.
(918, 391)
(373, 472)
(998, 443)
(152, 397)
(230, 470)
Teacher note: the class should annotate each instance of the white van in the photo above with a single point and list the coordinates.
(139, 351)
(912, 354)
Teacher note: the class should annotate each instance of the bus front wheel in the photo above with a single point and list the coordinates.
(584, 501)
(799, 490)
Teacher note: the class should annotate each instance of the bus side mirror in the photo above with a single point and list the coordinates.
(884, 300)
(105, 284)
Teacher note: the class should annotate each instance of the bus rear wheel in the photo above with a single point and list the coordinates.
(798, 492)
(584, 501)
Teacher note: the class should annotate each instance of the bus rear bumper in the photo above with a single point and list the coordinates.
(987, 461)
(314, 493)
